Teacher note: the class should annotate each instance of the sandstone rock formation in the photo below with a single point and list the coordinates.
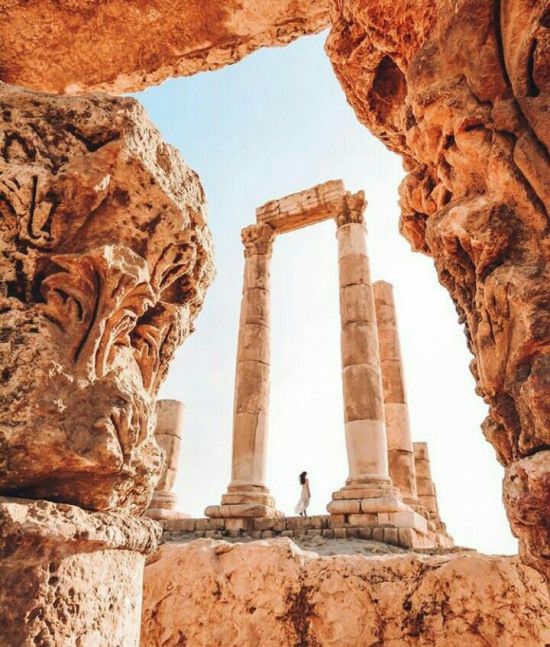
(53, 585)
(461, 90)
(126, 46)
(270, 593)
(104, 259)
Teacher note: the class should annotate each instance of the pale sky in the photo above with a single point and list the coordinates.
(276, 123)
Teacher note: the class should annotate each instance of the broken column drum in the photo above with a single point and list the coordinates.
(168, 434)
(424, 482)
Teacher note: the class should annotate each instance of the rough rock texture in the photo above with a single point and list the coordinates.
(53, 564)
(461, 90)
(125, 46)
(104, 259)
(271, 593)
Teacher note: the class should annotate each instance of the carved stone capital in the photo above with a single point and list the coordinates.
(258, 239)
(353, 209)
(105, 257)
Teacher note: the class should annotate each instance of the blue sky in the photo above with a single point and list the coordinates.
(276, 123)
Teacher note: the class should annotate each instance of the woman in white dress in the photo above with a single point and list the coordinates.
(305, 496)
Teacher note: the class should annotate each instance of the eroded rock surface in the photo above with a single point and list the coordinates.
(461, 90)
(70, 577)
(271, 593)
(105, 256)
(126, 46)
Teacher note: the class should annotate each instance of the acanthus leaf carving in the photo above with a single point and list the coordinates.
(95, 301)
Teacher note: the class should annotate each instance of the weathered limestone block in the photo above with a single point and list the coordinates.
(105, 256)
(125, 46)
(70, 577)
(270, 593)
(461, 90)
(168, 434)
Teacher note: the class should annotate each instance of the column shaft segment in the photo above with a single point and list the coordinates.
(247, 495)
(400, 448)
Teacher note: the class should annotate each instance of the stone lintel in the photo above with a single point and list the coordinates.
(308, 207)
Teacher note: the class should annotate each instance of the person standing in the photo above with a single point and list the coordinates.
(305, 495)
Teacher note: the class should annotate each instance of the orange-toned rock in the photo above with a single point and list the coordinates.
(461, 90)
(270, 593)
(125, 46)
(105, 256)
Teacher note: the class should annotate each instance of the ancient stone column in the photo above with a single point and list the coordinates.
(247, 494)
(362, 381)
(424, 484)
(70, 576)
(400, 448)
(105, 256)
(168, 434)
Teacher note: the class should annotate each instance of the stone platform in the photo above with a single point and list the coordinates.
(385, 528)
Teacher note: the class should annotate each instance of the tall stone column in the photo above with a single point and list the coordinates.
(247, 494)
(362, 381)
(400, 448)
(168, 434)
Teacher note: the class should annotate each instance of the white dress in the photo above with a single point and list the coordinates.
(303, 503)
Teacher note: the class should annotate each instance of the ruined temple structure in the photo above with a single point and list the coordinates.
(380, 493)
(105, 258)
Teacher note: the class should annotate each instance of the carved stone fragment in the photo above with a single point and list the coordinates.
(105, 256)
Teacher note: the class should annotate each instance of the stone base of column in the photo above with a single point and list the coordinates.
(163, 506)
(367, 496)
(244, 501)
(372, 504)
(68, 575)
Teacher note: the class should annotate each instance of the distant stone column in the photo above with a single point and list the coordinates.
(168, 434)
(400, 448)
(362, 381)
(247, 494)
(424, 484)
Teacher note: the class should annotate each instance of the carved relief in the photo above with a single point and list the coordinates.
(258, 239)
(353, 209)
